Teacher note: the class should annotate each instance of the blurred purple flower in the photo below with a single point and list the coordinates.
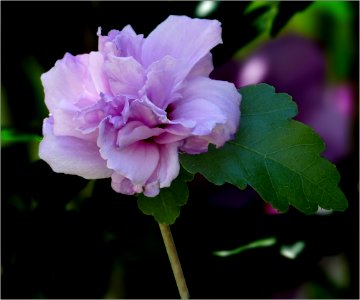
(296, 65)
(126, 110)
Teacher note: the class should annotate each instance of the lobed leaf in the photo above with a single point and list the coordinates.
(166, 206)
(277, 156)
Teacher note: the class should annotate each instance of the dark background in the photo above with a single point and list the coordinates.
(59, 243)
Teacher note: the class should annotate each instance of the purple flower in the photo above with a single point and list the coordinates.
(127, 110)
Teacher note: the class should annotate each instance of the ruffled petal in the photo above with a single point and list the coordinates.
(67, 123)
(195, 145)
(209, 103)
(77, 80)
(96, 73)
(136, 162)
(164, 79)
(206, 115)
(173, 133)
(123, 185)
(73, 84)
(182, 38)
(145, 111)
(71, 155)
(135, 131)
(125, 75)
(166, 171)
(122, 43)
(169, 166)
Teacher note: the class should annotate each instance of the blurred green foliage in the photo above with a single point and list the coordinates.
(9, 136)
(267, 242)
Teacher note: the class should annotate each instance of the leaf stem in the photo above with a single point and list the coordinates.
(174, 260)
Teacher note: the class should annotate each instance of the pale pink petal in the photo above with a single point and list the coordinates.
(152, 189)
(122, 43)
(71, 155)
(203, 67)
(74, 78)
(97, 75)
(74, 83)
(126, 76)
(145, 111)
(129, 43)
(105, 45)
(195, 145)
(173, 133)
(136, 162)
(135, 131)
(204, 113)
(67, 123)
(123, 185)
(164, 78)
(167, 138)
(169, 166)
(209, 102)
(166, 171)
(198, 144)
(182, 38)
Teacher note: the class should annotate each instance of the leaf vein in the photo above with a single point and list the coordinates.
(265, 112)
(271, 181)
(289, 147)
(287, 167)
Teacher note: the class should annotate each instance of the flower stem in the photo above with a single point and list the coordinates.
(174, 260)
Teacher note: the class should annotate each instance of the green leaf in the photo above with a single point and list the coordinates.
(275, 155)
(166, 206)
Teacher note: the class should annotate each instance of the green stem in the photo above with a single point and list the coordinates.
(174, 260)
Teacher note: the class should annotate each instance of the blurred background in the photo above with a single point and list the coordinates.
(65, 237)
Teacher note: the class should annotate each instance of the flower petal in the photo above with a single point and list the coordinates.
(169, 166)
(195, 145)
(66, 123)
(135, 131)
(71, 155)
(182, 38)
(125, 75)
(136, 162)
(72, 85)
(205, 114)
(74, 78)
(163, 80)
(123, 185)
(209, 102)
(145, 111)
(173, 133)
(122, 43)
(166, 171)
(203, 67)
(97, 75)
